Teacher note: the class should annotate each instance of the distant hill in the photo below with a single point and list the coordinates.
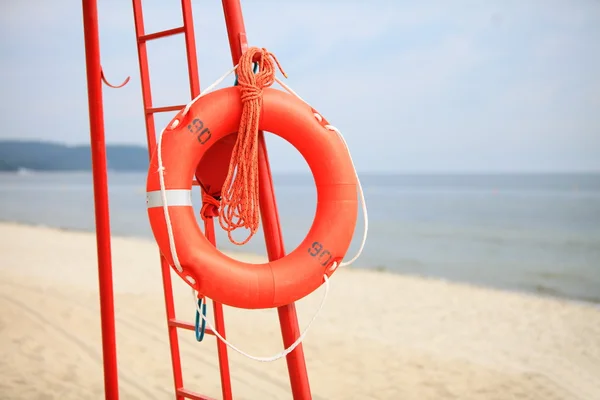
(48, 156)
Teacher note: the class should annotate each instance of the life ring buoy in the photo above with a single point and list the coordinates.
(213, 273)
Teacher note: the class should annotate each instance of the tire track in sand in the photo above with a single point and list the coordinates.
(89, 351)
(130, 323)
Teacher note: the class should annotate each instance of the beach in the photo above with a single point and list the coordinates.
(379, 335)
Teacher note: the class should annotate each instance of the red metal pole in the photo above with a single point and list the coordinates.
(99, 173)
(209, 226)
(138, 17)
(226, 390)
(190, 47)
(288, 319)
(173, 338)
(236, 31)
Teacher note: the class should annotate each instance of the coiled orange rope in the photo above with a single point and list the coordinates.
(239, 196)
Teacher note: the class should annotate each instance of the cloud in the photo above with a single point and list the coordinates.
(414, 86)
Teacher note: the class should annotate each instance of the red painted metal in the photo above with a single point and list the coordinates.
(271, 226)
(151, 142)
(100, 179)
(144, 76)
(209, 228)
(154, 110)
(161, 34)
(288, 319)
(113, 86)
(188, 30)
(173, 338)
(188, 394)
(187, 325)
(190, 47)
(236, 30)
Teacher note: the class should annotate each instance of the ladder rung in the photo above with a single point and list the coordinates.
(186, 325)
(192, 395)
(153, 110)
(160, 34)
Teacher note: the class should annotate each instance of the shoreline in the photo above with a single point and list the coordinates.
(534, 241)
(257, 258)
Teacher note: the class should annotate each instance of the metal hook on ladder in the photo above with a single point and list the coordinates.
(113, 86)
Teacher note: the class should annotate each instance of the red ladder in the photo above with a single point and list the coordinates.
(149, 110)
(270, 219)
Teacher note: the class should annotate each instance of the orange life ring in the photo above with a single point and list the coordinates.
(211, 272)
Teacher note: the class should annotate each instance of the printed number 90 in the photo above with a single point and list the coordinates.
(323, 255)
(203, 135)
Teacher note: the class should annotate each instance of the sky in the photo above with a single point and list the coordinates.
(429, 86)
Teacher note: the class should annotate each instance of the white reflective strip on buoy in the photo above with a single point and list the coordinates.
(175, 197)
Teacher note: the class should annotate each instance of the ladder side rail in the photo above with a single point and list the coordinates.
(151, 141)
(209, 227)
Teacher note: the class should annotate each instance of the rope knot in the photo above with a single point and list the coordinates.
(249, 93)
(239, 201)
(210, 206)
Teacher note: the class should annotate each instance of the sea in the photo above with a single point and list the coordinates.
(536, 233)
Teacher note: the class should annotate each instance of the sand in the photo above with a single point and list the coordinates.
(379, 336)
